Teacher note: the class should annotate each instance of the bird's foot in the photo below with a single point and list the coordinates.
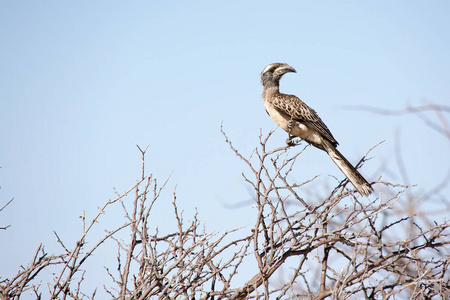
(291, 142)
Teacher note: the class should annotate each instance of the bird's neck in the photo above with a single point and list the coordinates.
(271, 87)
(270, 90)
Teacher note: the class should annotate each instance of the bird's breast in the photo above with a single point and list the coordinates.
(279, 118)
(300, 130)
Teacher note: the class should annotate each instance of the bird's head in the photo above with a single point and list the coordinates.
(273, 72)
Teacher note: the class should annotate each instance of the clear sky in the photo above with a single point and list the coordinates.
(83, 82)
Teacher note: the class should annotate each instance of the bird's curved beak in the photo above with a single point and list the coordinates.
(285, 68)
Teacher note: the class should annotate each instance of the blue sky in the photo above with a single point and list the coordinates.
(83, 82)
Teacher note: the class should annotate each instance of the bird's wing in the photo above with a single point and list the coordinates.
(300, 112)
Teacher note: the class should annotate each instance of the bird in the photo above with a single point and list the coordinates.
(299, 120)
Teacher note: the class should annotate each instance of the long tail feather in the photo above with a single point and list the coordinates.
(358, 181)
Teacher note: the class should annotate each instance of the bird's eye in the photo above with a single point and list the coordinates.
(270, 68)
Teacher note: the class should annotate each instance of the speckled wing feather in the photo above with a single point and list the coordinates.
(300, 112)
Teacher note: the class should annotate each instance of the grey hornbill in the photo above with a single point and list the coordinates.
(299, 120)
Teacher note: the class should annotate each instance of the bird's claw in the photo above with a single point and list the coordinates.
(291, 142)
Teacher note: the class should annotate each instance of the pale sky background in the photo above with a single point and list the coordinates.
(83, 82)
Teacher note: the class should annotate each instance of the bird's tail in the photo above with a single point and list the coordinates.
(358, 181)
